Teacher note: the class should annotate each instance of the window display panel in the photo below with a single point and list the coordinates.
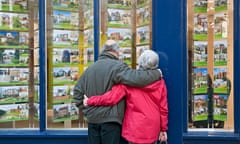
(210, 63)
(19, 64)
(130, 24)
(70, 51)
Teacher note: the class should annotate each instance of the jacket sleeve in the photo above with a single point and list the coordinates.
(164, 108)
(137, 78)
(78, 93)
(110, 98)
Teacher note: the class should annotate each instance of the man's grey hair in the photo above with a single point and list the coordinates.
(148, 60)
(110, 45)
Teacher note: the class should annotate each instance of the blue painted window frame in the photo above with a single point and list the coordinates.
(169, 40)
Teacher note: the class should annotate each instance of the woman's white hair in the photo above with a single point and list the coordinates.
(148, 60)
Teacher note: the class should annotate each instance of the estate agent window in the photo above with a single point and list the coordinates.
(210, 59)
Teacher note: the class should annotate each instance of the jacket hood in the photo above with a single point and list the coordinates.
(154, 85)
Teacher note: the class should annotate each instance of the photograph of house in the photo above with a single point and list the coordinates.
(200, 6)
(200, 107)
(64, 112)
(14, 75)
(9, 38)
(65, 4)
(62, 94)
(63, 38)
(220, 82)
(119, 18)
(219, 3)
(122, 36)
(10, 21)
(63, 56)
(143, 2)
(200, 3)
(119, 3)
(65, 19)
(10, 57)
(61, 75)
(200, 80)
(14, 112)
(221, 25)
(200, 26)
(143, 35)
(13, 94)
(220, 53)
(143, 16)
(13, 39)
(220, 107)
(14, 5)
(200, 53)
(19, 74)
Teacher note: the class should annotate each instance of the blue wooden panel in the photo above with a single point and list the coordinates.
(62, 140)
(236, 65)
(47, 137)
(169, 40)
(210, 142)
(42, 62)
(96, 28)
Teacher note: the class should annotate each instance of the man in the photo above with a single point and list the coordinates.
(104, 123)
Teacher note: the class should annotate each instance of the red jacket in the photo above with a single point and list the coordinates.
(146, 110)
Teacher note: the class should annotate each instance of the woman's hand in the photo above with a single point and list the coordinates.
(163, 136)
(85, 100)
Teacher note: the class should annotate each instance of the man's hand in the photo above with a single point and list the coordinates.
(85, 100)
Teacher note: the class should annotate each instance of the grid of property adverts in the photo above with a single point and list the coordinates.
(70, 50)
(19, 64)
(210, 49)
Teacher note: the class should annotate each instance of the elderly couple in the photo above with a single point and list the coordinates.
(123, 103)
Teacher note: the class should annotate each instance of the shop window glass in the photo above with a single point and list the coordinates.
(70, 50)
(210, 63)
(19, 64)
